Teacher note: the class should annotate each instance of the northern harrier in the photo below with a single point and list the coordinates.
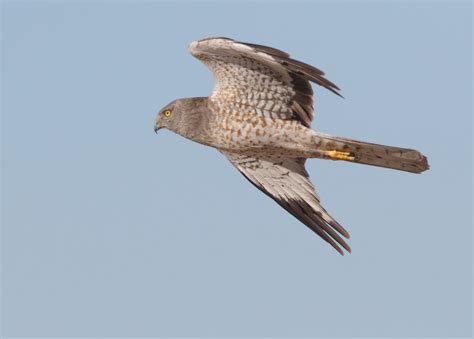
(259, 117)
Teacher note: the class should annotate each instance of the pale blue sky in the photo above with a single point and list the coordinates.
(111, 230)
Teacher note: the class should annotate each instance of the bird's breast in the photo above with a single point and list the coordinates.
(256, 134)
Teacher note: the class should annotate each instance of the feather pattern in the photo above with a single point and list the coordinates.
(250, 77)
(287, 182)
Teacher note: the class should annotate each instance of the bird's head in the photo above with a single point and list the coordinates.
(169, 116)
(182, 116)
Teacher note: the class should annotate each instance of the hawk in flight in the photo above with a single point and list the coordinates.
(259, 117)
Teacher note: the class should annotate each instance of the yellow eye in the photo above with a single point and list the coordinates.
(167, 113)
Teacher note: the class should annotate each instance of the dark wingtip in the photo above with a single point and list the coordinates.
(335, 90)
(341, 252)
(346, 247)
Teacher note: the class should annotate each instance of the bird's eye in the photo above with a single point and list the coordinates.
(167, 113)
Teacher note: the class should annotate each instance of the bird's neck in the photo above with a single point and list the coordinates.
(196, 124)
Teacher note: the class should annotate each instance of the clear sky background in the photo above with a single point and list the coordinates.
(111, 230)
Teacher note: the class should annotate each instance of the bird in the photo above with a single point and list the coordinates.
(259, 115)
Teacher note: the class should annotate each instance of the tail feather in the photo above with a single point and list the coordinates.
(402, 159)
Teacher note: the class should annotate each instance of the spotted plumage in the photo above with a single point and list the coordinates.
(259, 117)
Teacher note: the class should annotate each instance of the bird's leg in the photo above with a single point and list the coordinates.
(339, 155)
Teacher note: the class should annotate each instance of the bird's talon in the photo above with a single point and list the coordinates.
(338, 155)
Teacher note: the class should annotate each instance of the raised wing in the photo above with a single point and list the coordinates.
(287, 182)
(255, 79)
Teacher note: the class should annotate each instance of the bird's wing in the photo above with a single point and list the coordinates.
(255, 79)
(286, 181)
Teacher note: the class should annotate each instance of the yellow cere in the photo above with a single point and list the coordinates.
(167, 113)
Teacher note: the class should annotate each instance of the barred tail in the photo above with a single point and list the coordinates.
(402, 159)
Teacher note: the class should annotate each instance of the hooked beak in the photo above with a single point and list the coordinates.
(157, 129)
